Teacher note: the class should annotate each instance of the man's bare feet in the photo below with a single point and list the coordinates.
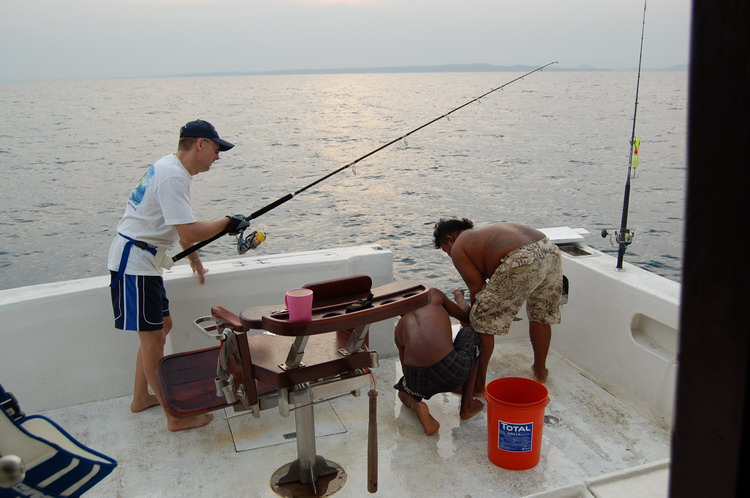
(540, 373)
(181, 424)
(475, 407)
(478, 392)
(138, 405)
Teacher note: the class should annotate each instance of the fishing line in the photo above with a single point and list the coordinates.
(243, 244)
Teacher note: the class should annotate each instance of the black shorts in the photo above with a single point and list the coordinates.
(448, 374)
(139, 302)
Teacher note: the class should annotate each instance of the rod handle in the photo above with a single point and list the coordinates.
(372, 444)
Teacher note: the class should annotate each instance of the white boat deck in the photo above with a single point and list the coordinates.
(605, 438)
(588, 435)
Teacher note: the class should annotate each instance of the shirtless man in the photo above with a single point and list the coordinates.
(433, 362)
(505, 265)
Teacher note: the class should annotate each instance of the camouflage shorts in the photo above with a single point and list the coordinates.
(530, 274)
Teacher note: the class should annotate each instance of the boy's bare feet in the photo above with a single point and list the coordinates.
(475, 406)
(138, 405)
(180, 424)
(428, 422)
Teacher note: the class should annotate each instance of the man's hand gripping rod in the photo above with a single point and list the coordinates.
(243, 243)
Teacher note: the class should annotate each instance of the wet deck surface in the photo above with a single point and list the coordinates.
(587, 433)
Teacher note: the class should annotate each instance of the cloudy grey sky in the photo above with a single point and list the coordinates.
(98, 39)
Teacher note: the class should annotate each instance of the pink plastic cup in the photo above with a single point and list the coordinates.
(299, 304)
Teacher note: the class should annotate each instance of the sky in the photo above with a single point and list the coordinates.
(103, 39)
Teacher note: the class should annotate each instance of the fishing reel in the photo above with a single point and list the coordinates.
(253, 240)
(624, 238)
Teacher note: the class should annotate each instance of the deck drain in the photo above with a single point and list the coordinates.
(290, 435)
(551, 420)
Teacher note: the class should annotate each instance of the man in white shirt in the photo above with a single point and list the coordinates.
(159, 214)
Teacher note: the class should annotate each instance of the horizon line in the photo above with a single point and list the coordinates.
(433, 68)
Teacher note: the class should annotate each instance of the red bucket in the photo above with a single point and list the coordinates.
(515, 419)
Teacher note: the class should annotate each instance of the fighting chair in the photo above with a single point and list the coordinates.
(291, 365)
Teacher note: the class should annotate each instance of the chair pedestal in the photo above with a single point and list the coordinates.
(309, 467)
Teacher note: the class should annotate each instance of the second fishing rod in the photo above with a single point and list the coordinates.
(255, 238)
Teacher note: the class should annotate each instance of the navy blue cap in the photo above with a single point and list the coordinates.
(204, 129)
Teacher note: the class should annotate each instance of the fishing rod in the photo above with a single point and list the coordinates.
(625, 236)
(255, 238)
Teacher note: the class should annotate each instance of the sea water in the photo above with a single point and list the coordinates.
(549, 150)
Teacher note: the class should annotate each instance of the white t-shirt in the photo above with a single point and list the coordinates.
(159, 201)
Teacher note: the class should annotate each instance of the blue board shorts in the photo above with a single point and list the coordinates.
(139, 302)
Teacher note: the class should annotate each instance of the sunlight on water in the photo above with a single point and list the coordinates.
(549, 150)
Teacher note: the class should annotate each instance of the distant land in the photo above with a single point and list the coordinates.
(444, 68)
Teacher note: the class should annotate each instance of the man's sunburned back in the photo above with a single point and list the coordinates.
(485, 247)
(424, 336)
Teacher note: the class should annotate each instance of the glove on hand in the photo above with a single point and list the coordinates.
(236, 224)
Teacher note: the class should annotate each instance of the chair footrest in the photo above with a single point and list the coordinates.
(187, 382)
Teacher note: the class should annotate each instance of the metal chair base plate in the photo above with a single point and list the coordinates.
(286, 480)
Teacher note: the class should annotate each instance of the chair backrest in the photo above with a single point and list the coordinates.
(340, 290)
